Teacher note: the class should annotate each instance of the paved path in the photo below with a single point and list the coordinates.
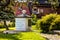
(51, 36)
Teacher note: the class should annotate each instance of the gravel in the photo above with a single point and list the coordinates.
(51, 36)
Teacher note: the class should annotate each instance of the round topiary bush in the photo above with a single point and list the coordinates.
(45, 23)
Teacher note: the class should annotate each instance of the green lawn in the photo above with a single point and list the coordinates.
(10, 28)
(36, 29)
(21, 36)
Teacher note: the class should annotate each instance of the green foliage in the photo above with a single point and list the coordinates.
(54, 3)
(6, 16)
(1, 25)
(6, 8)
(11, 24)
(22, 36)
(34, 19)
(49, 22)
(6, 11)
(56, 23)
(35, 28)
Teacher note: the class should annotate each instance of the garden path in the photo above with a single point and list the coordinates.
(51, 36)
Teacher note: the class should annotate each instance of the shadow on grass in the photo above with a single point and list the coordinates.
(10, 36)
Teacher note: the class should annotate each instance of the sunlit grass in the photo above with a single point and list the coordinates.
(21, 36)
(10, 28)
(34, 27)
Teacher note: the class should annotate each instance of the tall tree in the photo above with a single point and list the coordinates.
(6, 11)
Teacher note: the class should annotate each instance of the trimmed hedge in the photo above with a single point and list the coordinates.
(49, 22)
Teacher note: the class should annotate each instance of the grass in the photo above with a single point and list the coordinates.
(36, 29)
(10, 28)
(21, 36)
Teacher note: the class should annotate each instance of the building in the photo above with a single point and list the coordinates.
(46, 7)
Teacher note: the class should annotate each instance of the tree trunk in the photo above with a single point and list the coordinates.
(6, 25)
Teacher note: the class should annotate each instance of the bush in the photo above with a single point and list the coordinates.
(34, 19)
(1, 25)
(11, 24)
(45, 24)
(56, 23)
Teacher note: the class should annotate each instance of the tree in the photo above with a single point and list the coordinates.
(6, 11)
(54, 4)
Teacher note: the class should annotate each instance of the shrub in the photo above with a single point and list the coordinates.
(34, 19)
(11, 24)
(1, 25)
(46, 21)
(56, 23)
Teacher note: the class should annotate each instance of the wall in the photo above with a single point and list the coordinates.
(45, 11)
